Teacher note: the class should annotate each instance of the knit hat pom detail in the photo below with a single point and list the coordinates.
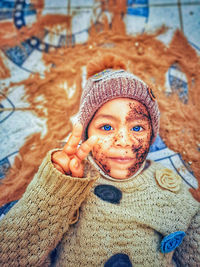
(100, 63)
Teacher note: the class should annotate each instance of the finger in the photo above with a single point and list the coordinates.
(76, 168)
(71, 146)
(61, 159)
(86, 147)
(58, 168)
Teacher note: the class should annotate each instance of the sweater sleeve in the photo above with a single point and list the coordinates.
(35, 225)
(188, 253)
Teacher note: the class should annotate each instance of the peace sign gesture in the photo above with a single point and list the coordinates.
(69, 160)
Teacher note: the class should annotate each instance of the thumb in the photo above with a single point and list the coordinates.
(76, 168)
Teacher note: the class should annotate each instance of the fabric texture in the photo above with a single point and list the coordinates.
(111, 84)
(93, 221)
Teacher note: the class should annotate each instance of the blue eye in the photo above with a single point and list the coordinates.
(107, 127)
(137, 128)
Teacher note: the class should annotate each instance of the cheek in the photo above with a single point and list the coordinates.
(141, 146)
(140, 156)
(99, 150)
(140, 150)
(99, 154)
(143, 139)
(104, 143)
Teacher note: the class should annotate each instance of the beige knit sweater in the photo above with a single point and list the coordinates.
(91, 219)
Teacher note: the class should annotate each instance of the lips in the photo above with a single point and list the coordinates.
(121, 159)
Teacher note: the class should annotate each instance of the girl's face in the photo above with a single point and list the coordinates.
(123, 127)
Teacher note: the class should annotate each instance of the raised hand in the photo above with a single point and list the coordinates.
(69, 160)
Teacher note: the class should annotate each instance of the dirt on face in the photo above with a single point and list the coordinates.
(140, 153)
(124, 138)
(140, 150)
(100, 158)
(145, 56)
(138, 112)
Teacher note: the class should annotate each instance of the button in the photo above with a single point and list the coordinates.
(172, 241)
(150, 91)
(108, 193)
(119, 260)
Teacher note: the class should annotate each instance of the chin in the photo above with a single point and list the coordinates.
(119, 174)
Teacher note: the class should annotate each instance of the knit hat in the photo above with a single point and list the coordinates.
(110, 84)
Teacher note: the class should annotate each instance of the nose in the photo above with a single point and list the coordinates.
(123, 138)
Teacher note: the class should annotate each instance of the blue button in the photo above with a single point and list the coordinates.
(108, 193)
(119, 260)
(172, 241)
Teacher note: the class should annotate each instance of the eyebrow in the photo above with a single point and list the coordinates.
(106, 116)
(137, 117)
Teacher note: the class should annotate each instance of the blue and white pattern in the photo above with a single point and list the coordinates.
(26, 58)
(5, 164)
(177, 83)
(6, 104)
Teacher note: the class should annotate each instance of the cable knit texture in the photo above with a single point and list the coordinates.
(38, 221)
(89, 220)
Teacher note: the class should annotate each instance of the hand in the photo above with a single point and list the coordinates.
(69, 160)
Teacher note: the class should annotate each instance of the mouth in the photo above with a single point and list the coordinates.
(121, 159)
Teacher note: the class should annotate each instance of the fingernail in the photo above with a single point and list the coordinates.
(76, 164)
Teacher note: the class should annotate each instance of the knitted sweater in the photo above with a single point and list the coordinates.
(93, 221)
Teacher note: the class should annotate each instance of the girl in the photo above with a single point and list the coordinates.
(102, 203)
